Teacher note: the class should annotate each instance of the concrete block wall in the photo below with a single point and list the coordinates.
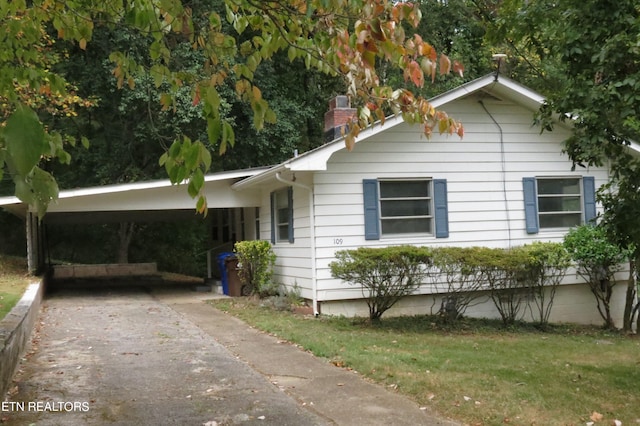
(15, 332)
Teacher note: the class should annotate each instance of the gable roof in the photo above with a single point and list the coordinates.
(316, 159)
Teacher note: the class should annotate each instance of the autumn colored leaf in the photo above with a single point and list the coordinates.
(445, 64)
(458, 68)
(416, 74)
(196, 96)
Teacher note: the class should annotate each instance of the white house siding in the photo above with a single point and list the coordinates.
(484, 174)
(293, 260)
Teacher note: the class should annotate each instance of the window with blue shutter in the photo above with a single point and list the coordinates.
(371, 210)
(441, 208)
(400, 207)
(558, 202)
(282, 216)
(589, 191)
(530, 205)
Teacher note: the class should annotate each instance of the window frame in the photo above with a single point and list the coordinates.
(430, 217)
(550, 213)
(587, 202)
(277, 224)
(371, 205)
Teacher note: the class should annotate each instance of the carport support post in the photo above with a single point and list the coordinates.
(32, 242)
(35, 243)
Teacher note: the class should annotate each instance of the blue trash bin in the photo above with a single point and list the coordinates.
(224, 276)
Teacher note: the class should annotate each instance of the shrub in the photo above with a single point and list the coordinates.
(255, 267)
(546, 265)
(385, 274)
(460, 278)
(597, 261)
(504, 273)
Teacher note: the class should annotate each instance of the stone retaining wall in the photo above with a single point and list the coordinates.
(15, 331)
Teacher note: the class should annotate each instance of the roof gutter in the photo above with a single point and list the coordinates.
(312, 237)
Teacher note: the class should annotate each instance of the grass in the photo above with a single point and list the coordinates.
(476, 372)
(14, 280)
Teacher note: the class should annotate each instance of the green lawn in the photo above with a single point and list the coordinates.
(14, 279)
(476, 372)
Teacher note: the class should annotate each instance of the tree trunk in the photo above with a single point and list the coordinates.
(125, 233)
(630, 299)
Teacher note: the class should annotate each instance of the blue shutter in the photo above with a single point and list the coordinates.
(441, 208)
(273, 218)
(530, 205)
(589, 191)
(371, 209)
(290, 212)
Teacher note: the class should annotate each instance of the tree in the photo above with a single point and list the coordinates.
(338, 37)
(597, 260)
(588, 57)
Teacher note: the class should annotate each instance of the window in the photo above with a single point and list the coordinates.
(405, 207)
(282, 216)
(558, 202)
(400, 207)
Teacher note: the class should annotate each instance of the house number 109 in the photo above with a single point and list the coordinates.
(337, 241)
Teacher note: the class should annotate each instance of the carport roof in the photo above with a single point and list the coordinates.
(141, 201)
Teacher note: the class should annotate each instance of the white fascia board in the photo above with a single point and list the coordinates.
(136, 186)
(10, 200)
(316, 160)
(257, 179)
(164, 183)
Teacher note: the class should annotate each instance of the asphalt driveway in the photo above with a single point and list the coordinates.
(141, 353)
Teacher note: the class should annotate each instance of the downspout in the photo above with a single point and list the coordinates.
(312, 236)
(503, 167)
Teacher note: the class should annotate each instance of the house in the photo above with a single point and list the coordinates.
(503, 185)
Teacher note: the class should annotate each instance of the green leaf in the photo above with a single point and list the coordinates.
(24, 191)
(201, 205)
(24, 136)
(214, 129)
(192, 189)
(45, 189)
(163, 159)
(205, 156)
(227, 134)
(292, 53)
(196, 183)
(175, 148)
(191, 156)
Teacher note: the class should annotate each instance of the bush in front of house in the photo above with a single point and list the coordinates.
(597, 261)
(460, 276)
(255, 267)
(546, 264)
(515, 279)
(385, 274)
(504, 272)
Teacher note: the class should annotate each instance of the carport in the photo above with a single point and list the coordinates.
(142, 201)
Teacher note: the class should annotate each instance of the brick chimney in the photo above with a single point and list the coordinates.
(340, 112)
